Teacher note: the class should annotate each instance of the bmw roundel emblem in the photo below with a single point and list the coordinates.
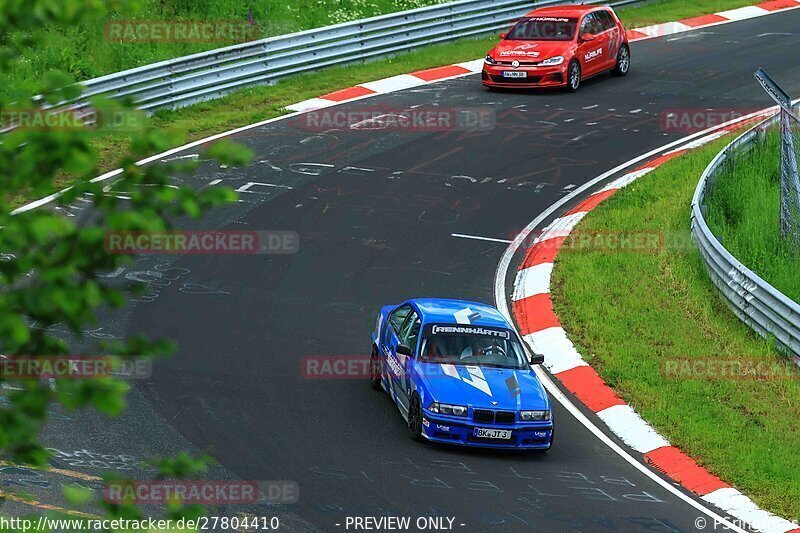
(515, 63)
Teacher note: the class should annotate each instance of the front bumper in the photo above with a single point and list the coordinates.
(492, 76)
(460, 431)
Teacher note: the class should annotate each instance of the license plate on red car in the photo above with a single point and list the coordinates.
(485, 433)
(514, 74)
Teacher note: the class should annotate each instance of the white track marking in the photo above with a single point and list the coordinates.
(627, 179)
(532, 281)
(395, 83)
(211, 183)
(555, 340)
(561, 227)
(310, 105)
(734, 502)
(667, 28)
(478, 238)
(743, 13)
(632, 429)
(699, 142)
(474, 66)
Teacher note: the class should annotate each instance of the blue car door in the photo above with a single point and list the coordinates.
(409, 336)
(389, 341)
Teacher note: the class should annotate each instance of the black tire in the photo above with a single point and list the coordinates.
(375, 370)
(415, 419)
(573, 76)
(623, 62)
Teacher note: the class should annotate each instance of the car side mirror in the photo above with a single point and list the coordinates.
(504, 35)
(537, 359)
(404, 349)
(586, 37)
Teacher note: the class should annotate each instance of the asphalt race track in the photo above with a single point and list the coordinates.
(375, 211)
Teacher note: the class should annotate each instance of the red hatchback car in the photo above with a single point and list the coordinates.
(559, 46)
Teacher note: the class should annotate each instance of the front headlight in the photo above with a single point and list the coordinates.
(534, 416)
(445, 409)
(553, 61)
(490, 60)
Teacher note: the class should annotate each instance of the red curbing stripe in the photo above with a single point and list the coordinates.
(680, 467)
(657, 162)
(535, 313)
(703, 20)
(592, 202)
(438, 73)
(347, 94)
(590, 388)
(777, 5)
(633, 34)
(542, 252)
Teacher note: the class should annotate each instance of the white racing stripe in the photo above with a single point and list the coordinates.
(477, 379)
(464, 316)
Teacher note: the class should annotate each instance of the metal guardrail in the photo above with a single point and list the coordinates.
(757, 303)
(187, 80)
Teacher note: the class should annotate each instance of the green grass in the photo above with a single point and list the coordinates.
(744, 211)
(85, 52)
(628, 313)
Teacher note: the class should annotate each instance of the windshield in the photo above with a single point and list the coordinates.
(544, 29)
(472, 345)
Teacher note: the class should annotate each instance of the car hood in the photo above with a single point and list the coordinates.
(508, 50)
(481, 386)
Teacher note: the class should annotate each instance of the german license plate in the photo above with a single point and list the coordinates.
(514, 74)
(485, 433)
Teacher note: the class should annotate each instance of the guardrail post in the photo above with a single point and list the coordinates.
(790, 177)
